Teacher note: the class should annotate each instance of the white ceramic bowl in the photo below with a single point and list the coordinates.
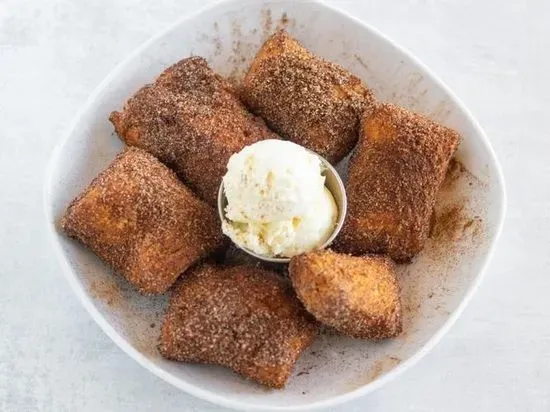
(436, 287)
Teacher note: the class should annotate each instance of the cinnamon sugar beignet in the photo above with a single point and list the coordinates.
(241, 317)
(357, 295)
(306, 99)
(394, 176)
(191, 119)
(141, 220)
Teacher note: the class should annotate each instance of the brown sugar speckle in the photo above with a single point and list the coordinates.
(286, 22)
(440, 112)
(455, 170)
(137, 320)
(107, 292)
(284, 18)
(455, 219)
(450, 223)
(361, 61)
(383, 366)
(453, 223)
(146, 347)
(267, 21)
(378, 368)
(218, 47)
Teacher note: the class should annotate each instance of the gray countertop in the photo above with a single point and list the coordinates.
(493, 54)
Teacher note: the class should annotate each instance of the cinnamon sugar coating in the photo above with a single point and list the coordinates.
(143, 222)
(357, 296)
(192, 120)
(306, 99)
(394, 176)
(241, 317)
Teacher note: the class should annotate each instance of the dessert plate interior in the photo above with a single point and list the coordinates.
(436, 286)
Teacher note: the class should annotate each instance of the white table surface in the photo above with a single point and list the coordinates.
(493, 53)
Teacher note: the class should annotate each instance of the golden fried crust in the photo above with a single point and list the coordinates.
(394, 176)
(192, 120)
(306, 99)
(242, 317)
(141, 220)
(358, 296)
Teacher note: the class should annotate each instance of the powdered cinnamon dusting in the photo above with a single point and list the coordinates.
(306, 99)
(393, 180)
(242, 317)
(192, 120)
(453, 222)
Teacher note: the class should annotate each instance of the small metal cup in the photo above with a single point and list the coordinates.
(333, 183)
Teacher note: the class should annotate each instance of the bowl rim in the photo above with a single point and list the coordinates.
(342, 210)
(198, 391)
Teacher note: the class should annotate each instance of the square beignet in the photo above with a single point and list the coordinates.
(191, 119)
(304, 98)
(241, 317)
(142, 221)
(394, 176)
(357, 295)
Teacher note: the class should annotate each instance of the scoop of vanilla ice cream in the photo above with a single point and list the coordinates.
(277, 204)
(271, 181)
(287, 237)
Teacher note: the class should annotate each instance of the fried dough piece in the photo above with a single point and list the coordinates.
(192, 120)
(142, 221)
(242, 317)
(394, 176)
(357, 296)
(305, 98)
